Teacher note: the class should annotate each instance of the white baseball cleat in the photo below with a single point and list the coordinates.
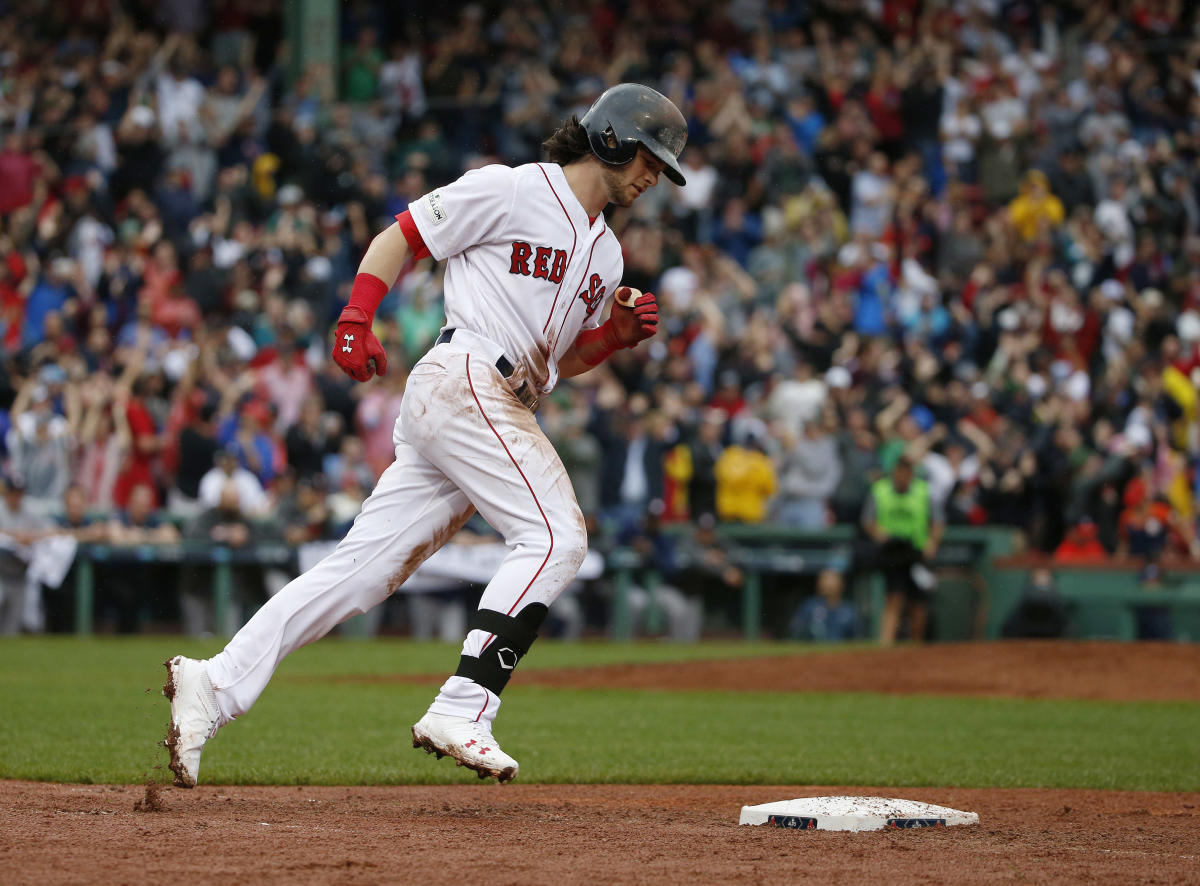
(195, 717)
(470, 743)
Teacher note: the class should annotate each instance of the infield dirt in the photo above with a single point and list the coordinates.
(566, 834)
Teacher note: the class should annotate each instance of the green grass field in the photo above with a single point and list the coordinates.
(90, 711)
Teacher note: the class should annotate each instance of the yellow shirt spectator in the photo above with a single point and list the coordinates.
(745, 481)
(1035, 206)
(677, 471)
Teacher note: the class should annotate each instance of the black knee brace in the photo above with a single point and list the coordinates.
(514, 636)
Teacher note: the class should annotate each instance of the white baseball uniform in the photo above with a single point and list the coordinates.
(527, 269)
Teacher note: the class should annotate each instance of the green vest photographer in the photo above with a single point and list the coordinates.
(906, 524)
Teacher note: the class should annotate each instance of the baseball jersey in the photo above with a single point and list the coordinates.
(525, 266)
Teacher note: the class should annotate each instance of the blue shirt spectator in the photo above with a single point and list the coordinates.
(825, 617)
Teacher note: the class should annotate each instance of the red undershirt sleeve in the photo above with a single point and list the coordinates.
(416, 243)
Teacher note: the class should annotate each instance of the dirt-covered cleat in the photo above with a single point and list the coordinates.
(195, 717)
(470, 743)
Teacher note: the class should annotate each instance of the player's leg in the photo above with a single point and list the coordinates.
(413, 510)
(514, 477)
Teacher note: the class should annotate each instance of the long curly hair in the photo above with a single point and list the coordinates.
(567, 143)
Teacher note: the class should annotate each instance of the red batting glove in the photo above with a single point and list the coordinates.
(625, 328)
(355, 348)
(636, 324)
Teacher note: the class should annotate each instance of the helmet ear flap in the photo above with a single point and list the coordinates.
(611, 148)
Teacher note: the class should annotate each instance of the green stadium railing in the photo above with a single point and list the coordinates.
(981, 582)
(196, 553)
(965, 559)
(1102, 599)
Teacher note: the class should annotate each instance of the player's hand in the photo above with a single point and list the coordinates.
(355, 347)
(634, 316)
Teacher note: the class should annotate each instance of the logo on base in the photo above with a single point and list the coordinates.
(793, 822)
(916, 822)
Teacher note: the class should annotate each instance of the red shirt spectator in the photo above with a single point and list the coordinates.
(1081, 545)
(173, 312)
(12, 302)
(883, 103)
(284, 379)
(17, 172)
(138, 466)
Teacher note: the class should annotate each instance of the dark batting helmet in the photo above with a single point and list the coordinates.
(630, 114)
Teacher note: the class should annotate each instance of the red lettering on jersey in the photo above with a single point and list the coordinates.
(559, 266)
(593, 295)
(548, 264)
(520, 258)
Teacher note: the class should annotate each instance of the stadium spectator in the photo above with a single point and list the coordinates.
(825, 617)
(1041, 612)
(308, 440)
(299, 514)
(40, 440)
(905, 523)
(746, 480)
(654, 600)
(226, 525)
(809, 469)
(183, 226)
(703, 453)
(1036, 212)
(195, 454)
(706, 567)
(1081, 545)
(1153, 621)
(128, 591)
(858, 454)
(20, 526)
(227, 472)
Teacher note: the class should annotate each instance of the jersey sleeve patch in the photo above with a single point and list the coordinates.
(472, 210)
(436, 210)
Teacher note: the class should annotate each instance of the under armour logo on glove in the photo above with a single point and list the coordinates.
(362, 355)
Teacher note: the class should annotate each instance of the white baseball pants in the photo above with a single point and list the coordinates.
(463, 441)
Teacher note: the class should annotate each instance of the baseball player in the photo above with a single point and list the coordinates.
(530, 267)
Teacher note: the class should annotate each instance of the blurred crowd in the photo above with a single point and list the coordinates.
(962, 231)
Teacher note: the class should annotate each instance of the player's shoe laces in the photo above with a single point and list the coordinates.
(470, 743)
(194, 716)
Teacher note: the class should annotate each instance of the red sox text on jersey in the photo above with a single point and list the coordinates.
(546, 263)
(593, 296)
